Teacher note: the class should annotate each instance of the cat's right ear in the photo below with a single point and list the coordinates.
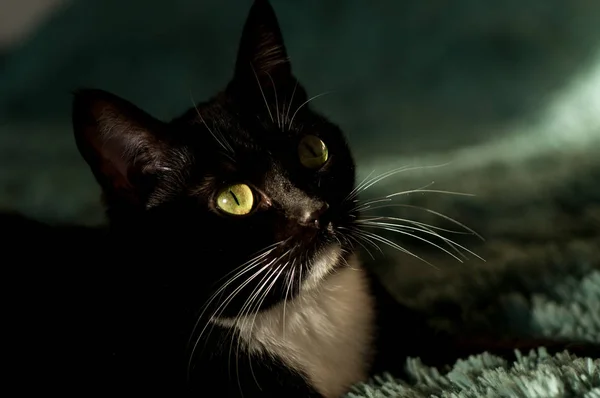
(120, 142)
(263, 70)
(261, 51)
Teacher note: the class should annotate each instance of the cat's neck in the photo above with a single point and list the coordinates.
(325, 333)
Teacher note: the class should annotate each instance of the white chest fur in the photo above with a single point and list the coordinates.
(326, 332)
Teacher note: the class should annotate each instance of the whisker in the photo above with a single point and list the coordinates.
(368, 204)
(383, 176)
(257, 255)
(224, 304)
(275, 261)
(429, 191)
(366, 183)
(276, 101)
(290, 280)
(284, 104)
(346, 240)
(304, 103)
(287, 114)
(363, 246)
(352, 234)
(219, 291)
(231, 332)
(244, 268)
(414, 236)
(387, 174)
(262, 93)
(244, 312)
(358, 187)
(427, 229)
(222, 142)
(432, 212)
(418, 223)
(251, 294)
(300, 273)
(256, 308)
(393, 245)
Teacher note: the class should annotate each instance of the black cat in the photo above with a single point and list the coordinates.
(229, 266)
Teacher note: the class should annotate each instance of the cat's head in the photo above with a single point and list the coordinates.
(253, 176)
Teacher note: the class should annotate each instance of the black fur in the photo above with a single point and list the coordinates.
(138, 288)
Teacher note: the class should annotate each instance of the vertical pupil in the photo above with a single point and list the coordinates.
(311, 149)
(234, 197)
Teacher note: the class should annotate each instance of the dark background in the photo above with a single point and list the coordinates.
(470, 81)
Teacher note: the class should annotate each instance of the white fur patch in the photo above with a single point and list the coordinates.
(326, 331)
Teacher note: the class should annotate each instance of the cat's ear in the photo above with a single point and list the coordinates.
(120, 142)
(261, 50)
(263, 73)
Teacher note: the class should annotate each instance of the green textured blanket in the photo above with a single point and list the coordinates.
(541, 277)
(570, 307)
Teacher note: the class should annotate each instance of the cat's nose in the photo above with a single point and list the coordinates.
(312, 217)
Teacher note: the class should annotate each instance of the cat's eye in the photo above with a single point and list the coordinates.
(236, 199)
(313, 152)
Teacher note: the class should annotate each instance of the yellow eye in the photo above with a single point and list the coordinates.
(313, 152)
(236, 199)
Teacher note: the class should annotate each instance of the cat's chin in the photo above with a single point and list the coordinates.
(325, 262)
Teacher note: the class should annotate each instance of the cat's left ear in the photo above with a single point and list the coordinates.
(123, 145)
(261, 50)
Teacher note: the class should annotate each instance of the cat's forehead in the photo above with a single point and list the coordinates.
(222, 126)
(225, 139)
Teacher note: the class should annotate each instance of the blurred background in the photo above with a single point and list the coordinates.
(507, 92)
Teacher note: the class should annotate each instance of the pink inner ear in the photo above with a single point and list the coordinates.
(117, 140)
(120, 144)
(116, 160)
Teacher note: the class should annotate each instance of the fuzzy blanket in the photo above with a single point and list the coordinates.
(569, 306)
(541, 279)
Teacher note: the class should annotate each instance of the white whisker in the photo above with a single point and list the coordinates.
(223, 305)
(262, 93)
(392, 245)
(287, 114)
(358, 187)
(413, 236)
(368, 204)
(387, 174)
(276, 101)
(277, 272)
(304, 103)
(429, 191)
(424, 228)
(352, 234)
(383, 176)
(432, 212)
(222, 141)
(244, 268)
(290, 280)
(244, 312)
(362, 205)
(255, 291)
(418, 223)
